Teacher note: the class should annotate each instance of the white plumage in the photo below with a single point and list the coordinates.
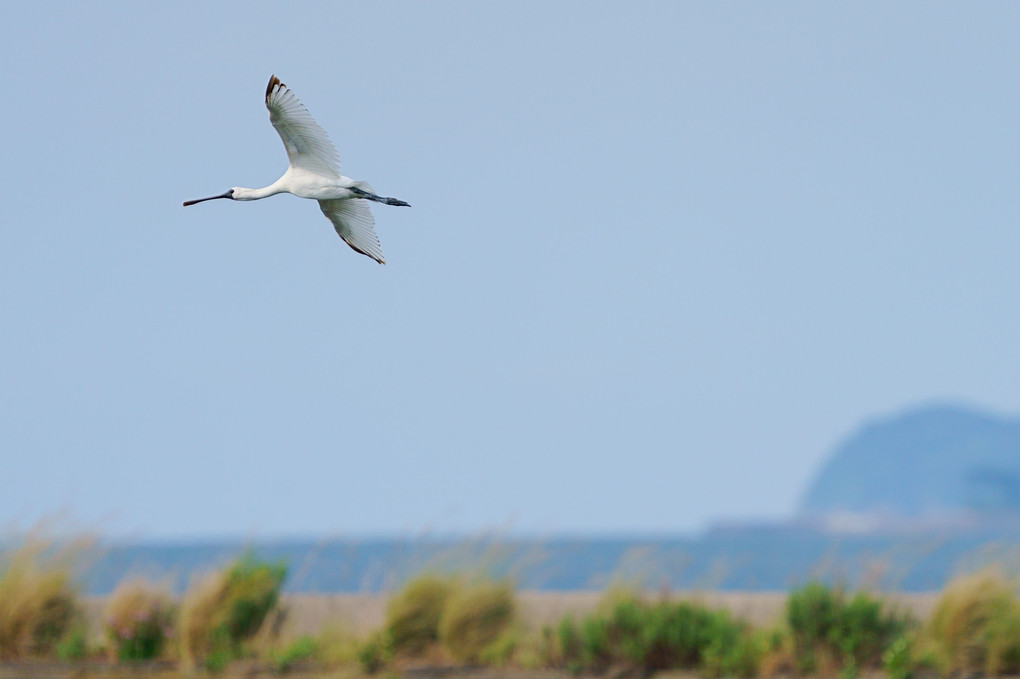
(314, 173)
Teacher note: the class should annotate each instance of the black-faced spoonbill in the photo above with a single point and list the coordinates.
(314, 172)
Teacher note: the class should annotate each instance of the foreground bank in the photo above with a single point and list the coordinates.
(236, 617)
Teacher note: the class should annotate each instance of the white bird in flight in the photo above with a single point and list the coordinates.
(314, 172)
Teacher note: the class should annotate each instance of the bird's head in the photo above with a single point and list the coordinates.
(227, 194)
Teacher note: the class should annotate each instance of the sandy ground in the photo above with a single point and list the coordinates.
(360, 614)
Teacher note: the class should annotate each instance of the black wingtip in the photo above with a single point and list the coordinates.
(273, 82)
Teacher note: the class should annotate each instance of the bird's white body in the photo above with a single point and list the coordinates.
(314, 173)
(303, 184)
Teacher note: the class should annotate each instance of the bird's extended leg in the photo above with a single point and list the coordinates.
(379, 199)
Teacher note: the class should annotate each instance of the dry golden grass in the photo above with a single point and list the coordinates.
(199, 614)
(38, 598)
(232, 612)
(475, 616)
(413, 614)
(976, 625)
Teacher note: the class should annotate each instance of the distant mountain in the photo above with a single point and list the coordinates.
(926, 464)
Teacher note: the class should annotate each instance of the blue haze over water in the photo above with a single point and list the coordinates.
(747, 558)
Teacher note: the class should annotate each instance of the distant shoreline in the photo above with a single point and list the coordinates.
(738, 559)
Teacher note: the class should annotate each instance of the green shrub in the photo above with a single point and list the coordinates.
(735, 651)
(690, 631)
(610, 634)
(252, 590)
(139, 619)
(813, 614)
(226, 609)
(975, 627)
(593, 635)
(896, 661)
(562, 643)
(476, 616)
(778, 657)
(827, 630)
(302, 648)
(375, 652)
(501, 650)
(625, 633)
(217, 659)
(627, 630)
(75, 643)
(663, 635)
(413, 615)
(866, 630)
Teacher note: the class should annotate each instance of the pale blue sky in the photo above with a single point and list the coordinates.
(661, 257)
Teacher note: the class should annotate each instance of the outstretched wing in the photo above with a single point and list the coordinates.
(353, 222)
(308, 145)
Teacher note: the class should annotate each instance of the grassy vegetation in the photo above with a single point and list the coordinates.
(413, 614)
(475, 618)
(302, 649)
(234, 614)
(139, 621)
(975, 627)
(223, 611)
(829, 631)
(38, 602)
(445, 618)
(628, 630)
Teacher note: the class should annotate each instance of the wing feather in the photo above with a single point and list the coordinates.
(354, 223)
(308, 146)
